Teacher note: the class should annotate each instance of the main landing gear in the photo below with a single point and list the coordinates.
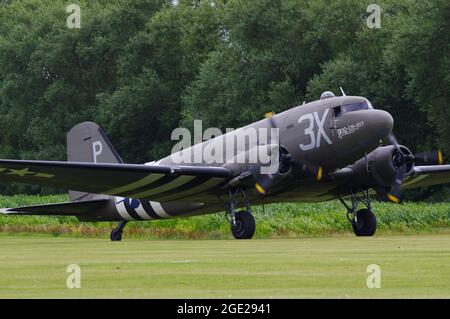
(116, 233)
(363, 221)
(242, 223)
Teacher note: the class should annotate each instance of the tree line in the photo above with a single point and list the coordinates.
(140, 68)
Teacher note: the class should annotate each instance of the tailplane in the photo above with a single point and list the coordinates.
(60, 209)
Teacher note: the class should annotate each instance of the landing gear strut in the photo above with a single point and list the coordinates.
(363, 221)
(242, 223)
(116, 233)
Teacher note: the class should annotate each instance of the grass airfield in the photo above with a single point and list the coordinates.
(335, 267)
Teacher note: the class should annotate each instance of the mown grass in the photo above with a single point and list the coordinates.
(276, 220)
(411, 267)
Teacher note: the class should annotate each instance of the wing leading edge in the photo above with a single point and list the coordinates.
(152, 182)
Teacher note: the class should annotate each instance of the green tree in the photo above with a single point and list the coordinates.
(268, 52)
(50, 75)
(420, 52)
(160, 61)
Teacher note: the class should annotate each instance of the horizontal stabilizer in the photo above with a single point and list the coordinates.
(59, 209)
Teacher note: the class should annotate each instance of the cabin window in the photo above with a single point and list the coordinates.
(337, 111)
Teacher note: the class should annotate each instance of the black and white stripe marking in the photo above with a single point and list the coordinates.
(165, 186)
(134, 209)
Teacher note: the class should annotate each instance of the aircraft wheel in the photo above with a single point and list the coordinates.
(245, 225)
(116, 234)
(366, 224)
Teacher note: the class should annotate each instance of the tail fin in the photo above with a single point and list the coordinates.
(86, 142)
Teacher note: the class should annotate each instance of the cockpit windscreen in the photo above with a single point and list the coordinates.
(363, 105)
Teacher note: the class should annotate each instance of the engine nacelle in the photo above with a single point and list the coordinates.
(378, 169)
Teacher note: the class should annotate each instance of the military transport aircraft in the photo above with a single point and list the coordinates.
(338, 147)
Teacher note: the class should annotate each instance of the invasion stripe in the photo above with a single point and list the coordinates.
(415, 180)
(159, 210)
(120, 206)
(175, 183)
(162, 181)
(143, 181)
(206, 186)
(131, 210)
(141, 211)
(149, 210)
(188, 186)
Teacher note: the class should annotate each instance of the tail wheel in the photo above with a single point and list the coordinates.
(365, 224)
(116, 234)
(245, 225)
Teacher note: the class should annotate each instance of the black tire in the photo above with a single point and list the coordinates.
(366, 224)
(116, 235)
(245, 225)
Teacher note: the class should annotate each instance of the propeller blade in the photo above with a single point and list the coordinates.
(393, 140)
(429, 158)
(270, 117)
(265, 183)
(313, 170)
(395, 192)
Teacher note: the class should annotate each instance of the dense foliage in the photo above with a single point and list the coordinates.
(275, 220)
(140, 68)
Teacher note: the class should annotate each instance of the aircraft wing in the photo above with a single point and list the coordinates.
(152, 182)
(424, 176)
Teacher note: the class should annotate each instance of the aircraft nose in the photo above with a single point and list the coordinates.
(381, 122)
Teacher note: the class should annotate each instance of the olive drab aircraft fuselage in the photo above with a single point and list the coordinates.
(334, 148)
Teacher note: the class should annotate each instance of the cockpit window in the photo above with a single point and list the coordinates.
(339, 110)
(355, 107)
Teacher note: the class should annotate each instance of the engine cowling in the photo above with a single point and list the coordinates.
(378, 169)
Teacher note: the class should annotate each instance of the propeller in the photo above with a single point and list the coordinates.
(429, 158)
(312, 170)
(393, 140)
(401, 162)
(395, 193)
(266, 181)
